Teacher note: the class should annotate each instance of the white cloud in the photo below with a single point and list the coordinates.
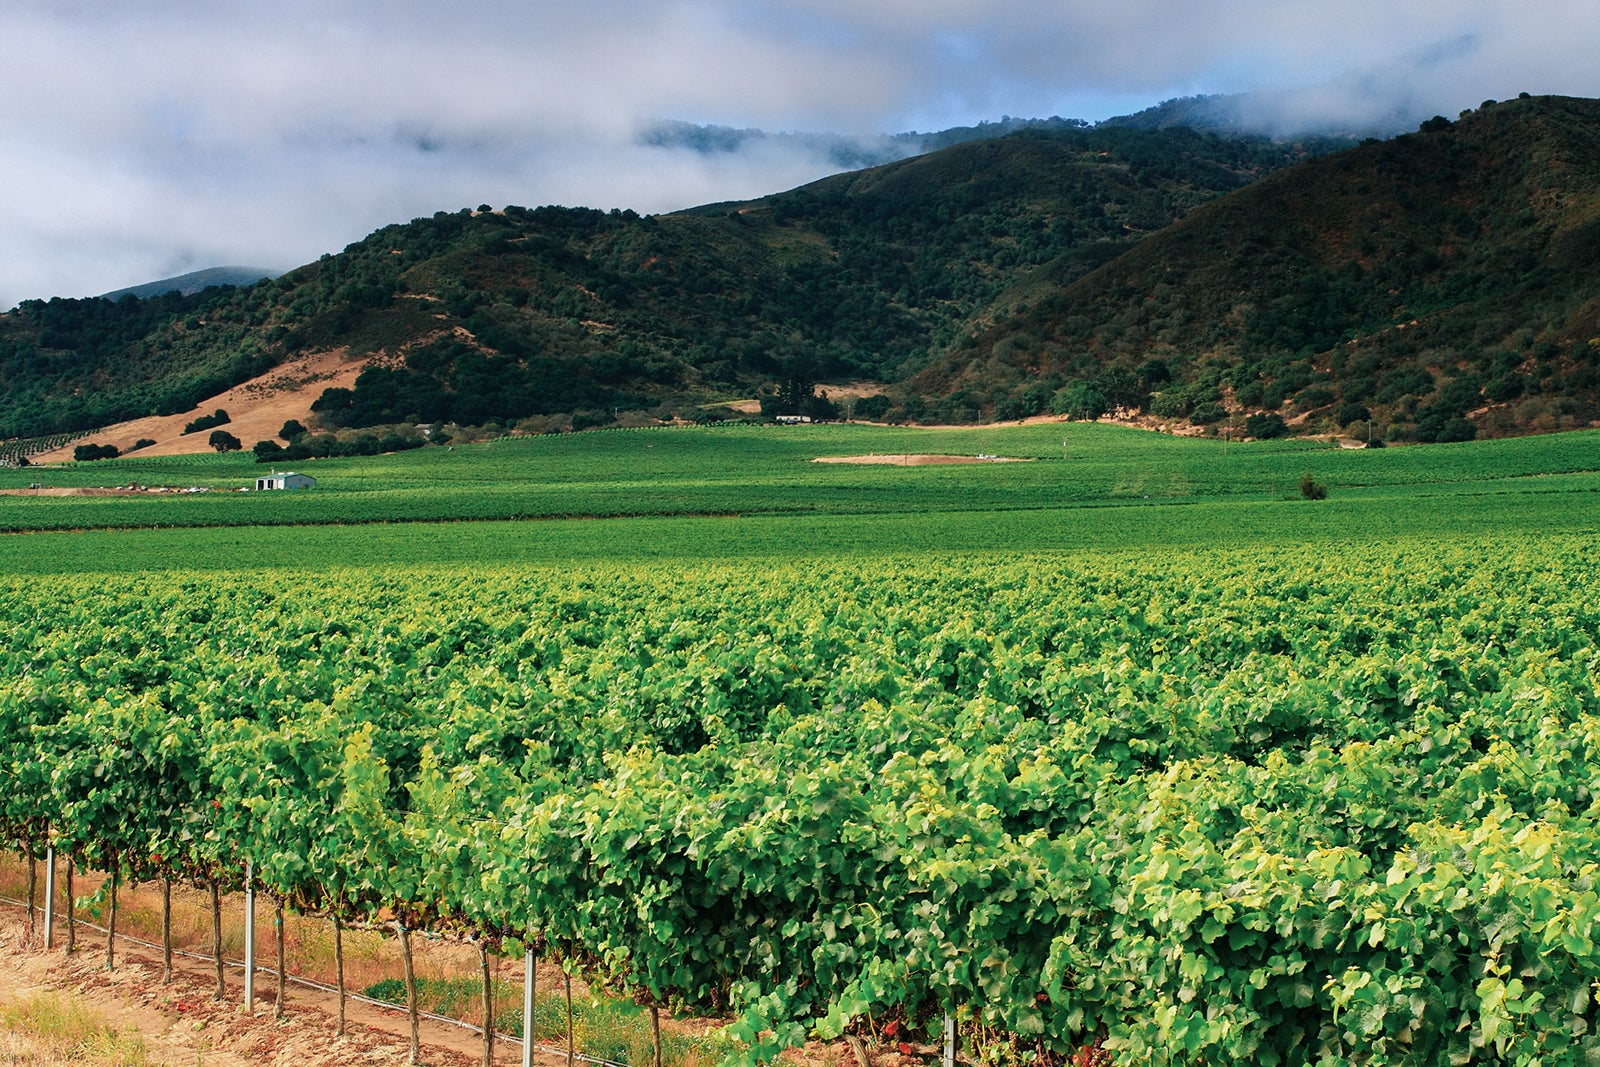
(140, 139)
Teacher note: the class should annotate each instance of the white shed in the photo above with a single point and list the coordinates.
(286, 480)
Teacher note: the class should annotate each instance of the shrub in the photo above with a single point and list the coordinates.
(1505, 388)
(1009, 408)
(207, 422)
(1265, 427)
(1316, 396)
(1174, 403)
(1349, 412)
(871, 408)
(143, 442)
(319, 445)
(958, 407)
(1036, 397)
(1080, 400)
(1312, 489)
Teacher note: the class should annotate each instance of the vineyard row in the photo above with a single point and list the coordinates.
(1271, 807)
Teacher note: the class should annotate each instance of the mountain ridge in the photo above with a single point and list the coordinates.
(518, 313)
(1460, 257)
(1432, 286)
(194, 282)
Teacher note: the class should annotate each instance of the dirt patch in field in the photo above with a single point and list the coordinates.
(914, 459)
(257, 409)
(121, 490)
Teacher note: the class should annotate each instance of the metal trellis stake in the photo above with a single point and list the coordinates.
(49, 894)
(527, 1009)
(249, 936)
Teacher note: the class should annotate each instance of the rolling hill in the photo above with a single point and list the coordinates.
(1443, 282)
(1431, 287)
(572, 314)
(194, 282)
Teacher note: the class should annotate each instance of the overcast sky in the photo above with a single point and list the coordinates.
(142, 140)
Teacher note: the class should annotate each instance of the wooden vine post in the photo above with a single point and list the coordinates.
(249, 937)
(338, 967)
(488, 1005)
(411, 989)
(277, 921)
(33, 882)
(567, 981)
(49, 896)
(216, 938)
(72, 929)
(166, 930)
(111, 922)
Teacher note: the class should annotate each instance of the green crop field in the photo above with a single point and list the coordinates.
(1127, 751)
(751, 491)
(1280, 804)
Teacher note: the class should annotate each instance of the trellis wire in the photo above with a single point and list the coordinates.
(311, 983)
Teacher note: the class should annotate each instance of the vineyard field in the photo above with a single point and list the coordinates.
(1126, 747)
(306, 553)
(1275, 802)
(750, 470)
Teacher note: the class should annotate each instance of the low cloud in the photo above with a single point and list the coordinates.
(145, 140)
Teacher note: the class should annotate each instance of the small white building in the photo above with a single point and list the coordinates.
(286, 480)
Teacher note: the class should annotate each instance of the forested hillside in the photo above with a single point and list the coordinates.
(1437, 286)
(486, 314)
(1442, 283)
(69, 365)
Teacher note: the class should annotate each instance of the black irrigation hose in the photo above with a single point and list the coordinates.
(310, 983)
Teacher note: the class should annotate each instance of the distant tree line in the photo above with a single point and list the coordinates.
(322, 445)
(91, 452)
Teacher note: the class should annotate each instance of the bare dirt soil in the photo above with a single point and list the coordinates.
(180, 1023)
(257, 409)
(901, 459)
(126, 490)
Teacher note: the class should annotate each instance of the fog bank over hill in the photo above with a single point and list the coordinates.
(148, 140)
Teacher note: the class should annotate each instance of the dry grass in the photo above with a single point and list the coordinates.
(602, 1026)
(45, 1030)
(369, 956)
